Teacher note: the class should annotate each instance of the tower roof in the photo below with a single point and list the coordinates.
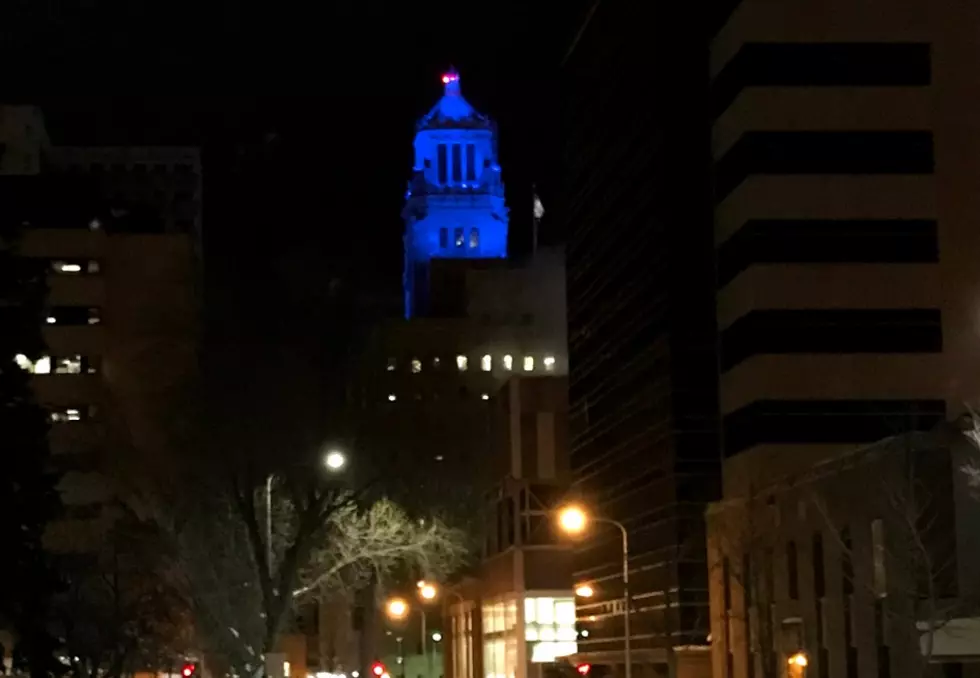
(452, 111)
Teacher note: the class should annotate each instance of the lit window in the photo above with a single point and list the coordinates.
(485, 396)
(65, 267)
(435, 362)
(508, 362)
(462, 363)
(67, 414)
(95, 224)
(392, 397)
(549, 363)
(51, 320)
(70, 365)
(439, 457)
(392, 364)
(94, 316)
(528, 363)
(458, 237)
(42, 366)
(474, 237)
(486, 363)
(23, 362)
(416, 365)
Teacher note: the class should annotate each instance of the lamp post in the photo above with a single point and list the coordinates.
(333, 460)
(574, 520)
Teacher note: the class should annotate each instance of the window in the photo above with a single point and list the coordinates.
(470, 162)
(69, 365)
(912, 330)
(879, 579)
(822, 152)
(549, 363)
(458, 237)
(66, 267)
(416, 365)
(62, 415)
(793, 571)
(436, 362)
(457, 164)
(392, 397)
(528, 363)
(443, 238)
(462, 364)
(486, 363)
(484, 396)
(73, 315)
(789, 422)
(392, 364)
(441, 162)
(803, 241)
(474, 238)
(508, 362)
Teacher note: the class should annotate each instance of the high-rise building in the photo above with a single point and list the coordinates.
(121, 327)
(643, 395)
(424, 400)
(844, 231)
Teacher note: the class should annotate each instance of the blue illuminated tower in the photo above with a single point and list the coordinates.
(455, 206)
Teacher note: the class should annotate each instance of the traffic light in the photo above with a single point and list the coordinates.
(378, 669)
(188, 670)
(583, 669)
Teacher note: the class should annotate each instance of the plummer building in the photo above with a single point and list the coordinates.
(844, 231)
(120, 328)
(641, 316)
(423, 402)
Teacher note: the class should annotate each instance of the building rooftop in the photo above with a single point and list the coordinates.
(452, 111)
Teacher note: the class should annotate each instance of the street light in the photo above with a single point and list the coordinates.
(584, 591)
(436, 637)
(573, 520)
(397, 608)
(334, 460)
(427, 592)
(799, 659)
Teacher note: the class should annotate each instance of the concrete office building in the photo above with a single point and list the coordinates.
(844, 231)
(121, 326)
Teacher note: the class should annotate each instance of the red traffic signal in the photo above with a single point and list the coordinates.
(188, 670)
(583, 669)
(378, 669)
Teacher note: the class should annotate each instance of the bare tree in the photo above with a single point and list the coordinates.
(118, 612)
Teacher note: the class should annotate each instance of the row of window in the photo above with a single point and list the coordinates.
(913, 330)
(806, 241)
(459, 238)
(69, 414)
(486, 363)
(457, 165)
(73, 315)
(74, 266)
(73, 364)
(821, 65)
(791, 422)
(823, 152)
(393, 397)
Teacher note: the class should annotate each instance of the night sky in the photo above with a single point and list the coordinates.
(305, 114)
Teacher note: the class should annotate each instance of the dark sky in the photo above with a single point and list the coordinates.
(305, 113)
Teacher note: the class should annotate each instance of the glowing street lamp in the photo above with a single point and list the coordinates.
(427, 591)
(584, 591)
(335, 460)
(397, 608)
(799, 659)
(572, 519)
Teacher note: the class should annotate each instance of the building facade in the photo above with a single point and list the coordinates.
(515, 616)
(121, 329)
(846, 295)
(643, 394)
(863, 564)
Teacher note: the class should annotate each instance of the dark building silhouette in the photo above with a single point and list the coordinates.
(643, 396)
